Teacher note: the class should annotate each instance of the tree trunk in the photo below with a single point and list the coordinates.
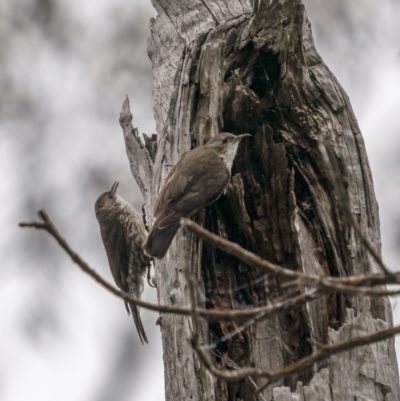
(220, 65)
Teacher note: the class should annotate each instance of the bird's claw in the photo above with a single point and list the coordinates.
(150, 280)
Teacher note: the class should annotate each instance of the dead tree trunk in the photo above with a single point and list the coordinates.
(220, 65)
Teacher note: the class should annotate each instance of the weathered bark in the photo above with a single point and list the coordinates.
(219, 66)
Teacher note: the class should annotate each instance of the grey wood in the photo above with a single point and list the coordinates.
(217, 65)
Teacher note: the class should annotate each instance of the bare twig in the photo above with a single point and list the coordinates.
(48, 226)
(211, 315)
(325, 351)
(235, 314)
(247, 256)
(203, 355)
(353, 284)
(235, 366)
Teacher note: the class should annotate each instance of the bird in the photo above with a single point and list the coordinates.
(197, 180)
(123, 234)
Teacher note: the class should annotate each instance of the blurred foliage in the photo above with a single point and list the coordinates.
(66, 67)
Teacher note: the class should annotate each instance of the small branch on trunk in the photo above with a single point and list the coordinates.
(139, 157)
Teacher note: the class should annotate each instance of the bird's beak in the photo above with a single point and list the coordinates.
(114, 187)
(239, 137)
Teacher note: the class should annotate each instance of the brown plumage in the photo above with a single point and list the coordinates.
(198, 179)
(123, 234)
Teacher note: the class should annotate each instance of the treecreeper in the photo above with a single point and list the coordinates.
(123, 234)
(197, 180)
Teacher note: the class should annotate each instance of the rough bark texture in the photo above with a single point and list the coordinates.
(222, 66)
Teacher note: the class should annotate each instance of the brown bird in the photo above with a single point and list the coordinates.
(198, 179)
(123, 234)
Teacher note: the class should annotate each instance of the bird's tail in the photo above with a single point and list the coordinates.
(134, 310)
(159, 239)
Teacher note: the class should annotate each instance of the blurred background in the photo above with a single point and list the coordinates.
(65, 69)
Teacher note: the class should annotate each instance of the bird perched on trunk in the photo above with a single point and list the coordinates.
(123, 234)
(198, 179)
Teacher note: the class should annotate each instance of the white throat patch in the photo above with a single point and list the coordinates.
(229, 156)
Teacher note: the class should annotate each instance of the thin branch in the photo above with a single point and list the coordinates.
(48, 226)
(352, 289)
(330, 284)
(235, 366)
(212, 315)
(326, 351)
(353, 284)
(246, 256)
(323, 352)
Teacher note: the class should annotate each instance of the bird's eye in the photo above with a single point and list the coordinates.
(225, 140)
(110, 196)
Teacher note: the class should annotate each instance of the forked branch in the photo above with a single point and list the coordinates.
(320, 286)
(236, 314)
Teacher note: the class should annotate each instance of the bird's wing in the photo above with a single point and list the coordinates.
(118, 259)
(173, 187)
(204, 185)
